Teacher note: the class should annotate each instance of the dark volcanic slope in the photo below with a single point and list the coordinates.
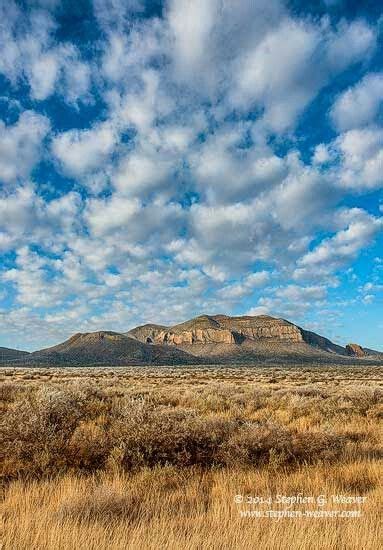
(7, 354)
(106, 348)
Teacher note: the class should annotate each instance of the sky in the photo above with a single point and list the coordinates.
(164, 159)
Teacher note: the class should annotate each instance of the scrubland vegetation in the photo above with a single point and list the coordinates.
(153, 457)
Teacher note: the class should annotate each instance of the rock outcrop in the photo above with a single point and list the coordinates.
(355, 350)
(197, 336)
(146, 333)
(220, 329)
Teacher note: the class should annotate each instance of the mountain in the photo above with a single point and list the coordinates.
(106, 348)
(8, 354)
(223, 339)
(219, 329)
(207, 339)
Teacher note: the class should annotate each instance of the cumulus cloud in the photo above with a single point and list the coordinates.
(322, 154)
(30, 279)
(261, 57)
(26, 218)
(311, 60)
(271, 74)
(291, 301)
(227, 171)
(28, 52)
(360, 153)
(351, 43)
(20, 145)
(80, 152)
(142, 172)
(335, 252)
(193, 190)
(136, 223)
(359, 105)
(205, 37)
(247, 286)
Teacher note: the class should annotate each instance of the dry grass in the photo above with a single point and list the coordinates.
(153, 457)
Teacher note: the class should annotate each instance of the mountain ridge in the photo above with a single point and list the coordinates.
(205, 339)
(9, 353)
(105, 348)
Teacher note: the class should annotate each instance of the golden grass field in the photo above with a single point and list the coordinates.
(131, 458)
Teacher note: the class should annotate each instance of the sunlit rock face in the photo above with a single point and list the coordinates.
(220, 329)
(355, 350)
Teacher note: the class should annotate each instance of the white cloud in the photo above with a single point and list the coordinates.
(335, 252)
(83, 151)
(321, 154)
(295, 293)
(27, 218)
(301, 201)
(351, 43)
(361, 158)
(60, 70)
(20, 145)
(271, 75)
(30, 280)
(368, 299)
(142, 172)
(104, 216)
(293, 62)
(358, 105)
(43, 72)
(192, 26)
(129, 219)
(247, 286)
(114, 13)
(226, 171)
(199, 187)
(291, 302)
(141, 108)
(28, 52)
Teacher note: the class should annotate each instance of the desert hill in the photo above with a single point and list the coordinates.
(222, 338)
(7, 354)
(106, 348)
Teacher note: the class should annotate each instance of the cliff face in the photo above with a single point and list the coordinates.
(146, 333)
(220, 329)
(355, 350)
(197, 336)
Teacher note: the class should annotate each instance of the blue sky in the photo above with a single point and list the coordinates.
(159, 160)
